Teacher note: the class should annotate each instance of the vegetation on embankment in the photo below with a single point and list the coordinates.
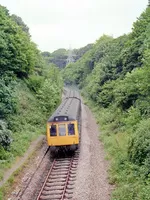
(115, 78)
(30, 89)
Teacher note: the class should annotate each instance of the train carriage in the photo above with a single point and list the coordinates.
(63, 125)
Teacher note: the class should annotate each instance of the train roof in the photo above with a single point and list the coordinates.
(68, 109)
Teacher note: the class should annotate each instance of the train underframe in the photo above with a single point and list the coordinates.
(64, 148)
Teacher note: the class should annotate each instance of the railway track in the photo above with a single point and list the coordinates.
(59, 182)
(21, 192)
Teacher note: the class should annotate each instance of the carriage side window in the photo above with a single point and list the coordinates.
(62, 129)
(71, 130)
(53, 130)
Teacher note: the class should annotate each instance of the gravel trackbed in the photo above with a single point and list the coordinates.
(92, 177)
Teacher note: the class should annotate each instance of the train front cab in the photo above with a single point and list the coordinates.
(63, 133)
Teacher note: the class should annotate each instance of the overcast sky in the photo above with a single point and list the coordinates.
(59, 23)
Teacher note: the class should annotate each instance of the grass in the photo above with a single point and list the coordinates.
(7, 187)
(27, 124)
(127, 177)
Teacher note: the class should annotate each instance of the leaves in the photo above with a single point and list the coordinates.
(5, 135)
(139, 147)
(7, 98)
(49, 96)
(17, 52)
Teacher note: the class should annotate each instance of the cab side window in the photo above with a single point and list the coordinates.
(71, 130)
(53, 130)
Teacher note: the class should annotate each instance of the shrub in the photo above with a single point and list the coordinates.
(7, 99)
(139, 145)
(49, 96)
(5, 135)
(34, 82)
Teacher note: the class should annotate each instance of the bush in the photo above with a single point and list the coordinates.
(34, 82)
(139, 146)
(7, 99)
(132, 191)
(49, 96)
(5, 135)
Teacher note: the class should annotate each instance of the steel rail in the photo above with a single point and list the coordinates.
(38, 198)
(22, 193)
(67, 179)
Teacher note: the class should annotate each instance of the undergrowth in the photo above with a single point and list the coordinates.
(26, 125)
(131, 179)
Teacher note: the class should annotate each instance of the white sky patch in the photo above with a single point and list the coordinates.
(57, 23)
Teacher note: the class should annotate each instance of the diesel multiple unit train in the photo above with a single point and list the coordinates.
(63, 125)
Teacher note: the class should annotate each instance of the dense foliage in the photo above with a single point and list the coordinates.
(30, 89)
(17, 53)
(115, 77)
(59, 57)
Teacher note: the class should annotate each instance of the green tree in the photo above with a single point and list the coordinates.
(20, 23)
(17, 53)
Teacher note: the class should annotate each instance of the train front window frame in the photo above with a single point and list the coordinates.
(53, 130)
(71, 129)
(62, 129)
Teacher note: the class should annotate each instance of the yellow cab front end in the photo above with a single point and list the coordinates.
(62, 133)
